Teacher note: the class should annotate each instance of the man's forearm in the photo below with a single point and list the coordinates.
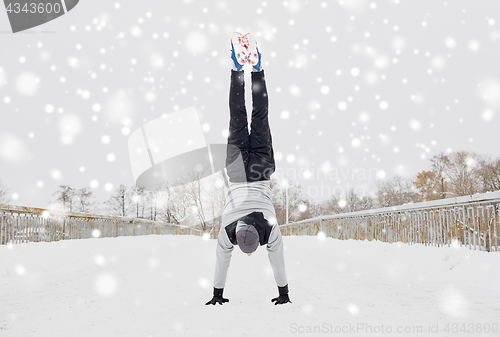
(223, 256)
(277, 258)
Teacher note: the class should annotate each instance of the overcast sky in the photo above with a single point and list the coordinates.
(373, 86)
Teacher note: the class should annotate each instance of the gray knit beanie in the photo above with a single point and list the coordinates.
(247, 237)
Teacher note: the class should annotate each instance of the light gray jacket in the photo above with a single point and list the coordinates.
(250, 202)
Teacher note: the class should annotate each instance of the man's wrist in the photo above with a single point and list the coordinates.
(218, 292)
(283, 290)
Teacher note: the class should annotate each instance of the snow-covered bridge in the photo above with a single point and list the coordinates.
(343, 279)
(157, 285)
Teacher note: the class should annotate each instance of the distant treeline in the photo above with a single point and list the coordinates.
(194, 204)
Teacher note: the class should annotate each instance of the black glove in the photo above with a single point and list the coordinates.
(217, 297)
(283, 297)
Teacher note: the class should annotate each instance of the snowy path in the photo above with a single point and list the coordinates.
(157, 286)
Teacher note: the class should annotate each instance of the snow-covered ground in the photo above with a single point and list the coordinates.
(158, 286)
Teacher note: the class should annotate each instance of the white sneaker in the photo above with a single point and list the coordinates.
(254, 56)
(239, 52)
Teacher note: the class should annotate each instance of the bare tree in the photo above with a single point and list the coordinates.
(440, 163)
(65, 197)
(167, 211)
(152, 198)
(366, 202)
(316, 209)
(276, 196)
(489, 172)
(119, 202)
(138, 198)
(330, 205)
(306, 209)
(463, 173)
(194, 190)
(354, 201)
(395, 191)
(217, 201)
(297, 204)
(4, 191)
(351, 201)
(184, 210)
(299, 207)
(85, 203)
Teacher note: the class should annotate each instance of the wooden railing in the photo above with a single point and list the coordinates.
(472, 221)
(19, 224)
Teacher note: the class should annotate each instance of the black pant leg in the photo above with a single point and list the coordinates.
(238, 142)
(261, 163)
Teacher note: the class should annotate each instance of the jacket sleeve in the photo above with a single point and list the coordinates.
(276, 257)
(223, 253)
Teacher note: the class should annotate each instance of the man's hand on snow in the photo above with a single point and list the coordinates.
(219, 300)
(283, 297)
(217, 297)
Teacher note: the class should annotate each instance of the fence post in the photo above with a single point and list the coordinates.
(489, 227)
(480, 218)
(495, 226)
(468, 227)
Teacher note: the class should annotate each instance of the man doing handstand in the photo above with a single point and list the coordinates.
(249, 217)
